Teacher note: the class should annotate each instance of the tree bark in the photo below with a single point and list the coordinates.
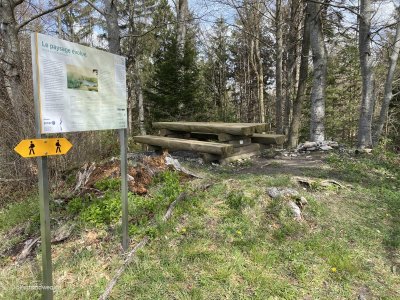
(11, 59)
(278, 66)
(260, 80)
(139, 96)
(298, 102)
(317, 126)
(387, 96)
(292, 53)
(366, 64)
(182, 16)
(113, 32)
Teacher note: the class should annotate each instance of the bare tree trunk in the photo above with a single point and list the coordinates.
(292, 51)
(366, 65)
(317, 126)
(139, 96)
(256, 63)
(278, 67)
(182, 15)
(11, 59)
(298, 102)
(113, 32)
(387, 97)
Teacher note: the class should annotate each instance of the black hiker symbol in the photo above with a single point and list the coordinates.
(58, 145)
(31, 151)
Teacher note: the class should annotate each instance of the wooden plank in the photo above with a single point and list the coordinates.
(245, 149)
(205, 136)
(209, 158)
(268, 139)
(233, 158)
(240, 142)
(174, 134)
(182, 144)
(259, 127)
(244, 129)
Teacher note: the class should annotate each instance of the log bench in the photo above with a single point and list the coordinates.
(268, 139)
(215, 141)
(259, 138)
(241, 129)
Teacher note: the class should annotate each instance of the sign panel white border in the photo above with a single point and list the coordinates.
(77, 88)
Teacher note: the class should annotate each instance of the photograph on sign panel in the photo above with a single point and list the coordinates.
(84, 79)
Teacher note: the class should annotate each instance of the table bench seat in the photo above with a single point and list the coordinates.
(184, 144)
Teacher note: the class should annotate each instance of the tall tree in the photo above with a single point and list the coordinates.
(301, 89)
(292, 50)
(317, 126)
(278, 67)
(387, 96)
(12, 62)
(218, 69)
(364, 138)
(173, 88)
(182, 19)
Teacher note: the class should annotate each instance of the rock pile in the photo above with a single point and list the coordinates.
(317, 146)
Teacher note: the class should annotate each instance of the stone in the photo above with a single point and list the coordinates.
(309, 145)
(333, 144)
(295, 210)
(301, 202)
(275, 192)
(325, 148)
(62, 233)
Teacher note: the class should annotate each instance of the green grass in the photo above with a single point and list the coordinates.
(84, 263)
(232, 241)
(15, 213)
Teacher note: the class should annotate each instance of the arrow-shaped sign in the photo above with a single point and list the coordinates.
(43, 147)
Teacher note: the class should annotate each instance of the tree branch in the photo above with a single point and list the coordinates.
(17, 2)
(95, 7)
(44, 13)
(337, 6)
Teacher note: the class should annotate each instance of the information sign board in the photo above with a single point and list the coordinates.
(78, 88)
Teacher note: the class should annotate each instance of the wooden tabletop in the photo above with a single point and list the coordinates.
(243, 129)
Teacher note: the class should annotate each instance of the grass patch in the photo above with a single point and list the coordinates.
(232, 241)
(19, 212)
(236, 243)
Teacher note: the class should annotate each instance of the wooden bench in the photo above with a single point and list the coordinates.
(268, 139)
(241, 129)
(170, 143)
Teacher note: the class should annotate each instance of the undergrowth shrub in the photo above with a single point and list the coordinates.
(237, 200)
(106, 184)
(107, 210)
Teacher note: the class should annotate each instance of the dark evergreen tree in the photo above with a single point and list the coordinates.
(172, 91)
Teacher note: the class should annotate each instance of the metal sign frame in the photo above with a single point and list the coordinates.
(43, 183)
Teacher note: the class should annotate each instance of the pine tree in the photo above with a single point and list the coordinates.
(173, 89)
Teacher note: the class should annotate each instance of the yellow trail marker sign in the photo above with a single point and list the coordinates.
(43, 147)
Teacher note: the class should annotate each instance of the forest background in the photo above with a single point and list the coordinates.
(313, 70)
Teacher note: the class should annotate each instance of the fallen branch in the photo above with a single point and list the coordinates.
(172, 206)
(127, 261)
(142, 243)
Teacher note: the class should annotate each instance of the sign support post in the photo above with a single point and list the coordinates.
(44, 195)
(123, 137)
(47, 285)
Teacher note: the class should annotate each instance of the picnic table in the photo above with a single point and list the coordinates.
(224, 142)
